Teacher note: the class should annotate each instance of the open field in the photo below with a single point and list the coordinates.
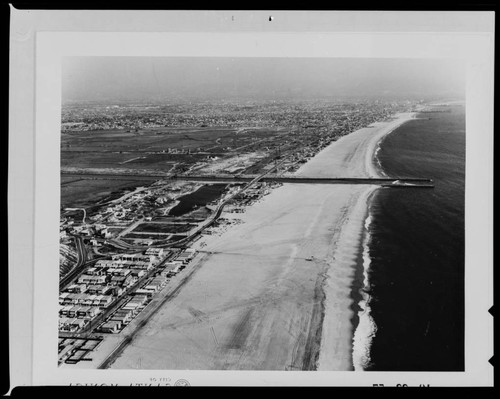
(164, 150)
(86, 192)
(126, 160)
(108, 147)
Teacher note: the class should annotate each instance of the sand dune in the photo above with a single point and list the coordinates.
(258, 301)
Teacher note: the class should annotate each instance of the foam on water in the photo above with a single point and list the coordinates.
(366, 329)
(380, 170)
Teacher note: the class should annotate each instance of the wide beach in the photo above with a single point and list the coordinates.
(275, 291)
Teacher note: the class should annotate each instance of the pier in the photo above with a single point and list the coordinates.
(394, 182)
(381, 181)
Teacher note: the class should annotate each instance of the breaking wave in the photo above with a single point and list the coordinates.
(366, 329)
(376, 160)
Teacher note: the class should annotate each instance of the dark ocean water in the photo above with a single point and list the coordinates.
(417, 249)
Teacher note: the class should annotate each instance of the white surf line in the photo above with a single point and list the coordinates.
(366, 328)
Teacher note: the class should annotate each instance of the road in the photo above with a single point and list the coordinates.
(82, 251)
(80, 265)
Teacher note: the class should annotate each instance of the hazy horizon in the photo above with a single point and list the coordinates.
(163, 78)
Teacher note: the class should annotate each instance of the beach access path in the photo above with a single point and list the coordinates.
(273, 292)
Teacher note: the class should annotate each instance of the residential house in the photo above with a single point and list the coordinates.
(111, 327)
(90, 279)
(77, 288)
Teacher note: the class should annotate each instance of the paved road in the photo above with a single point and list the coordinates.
(82, 251)
(82, 263)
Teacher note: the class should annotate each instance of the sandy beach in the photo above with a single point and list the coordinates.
(273, 292)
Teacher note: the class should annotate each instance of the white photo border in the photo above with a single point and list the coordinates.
(473, 48)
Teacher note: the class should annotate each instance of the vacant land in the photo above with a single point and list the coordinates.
(166, 150)
(154, 146)
(86, 192)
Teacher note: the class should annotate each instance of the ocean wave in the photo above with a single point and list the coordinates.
(378, 164)
(366, 329)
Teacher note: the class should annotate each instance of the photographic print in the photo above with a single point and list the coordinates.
(262, 214)
(222, 198)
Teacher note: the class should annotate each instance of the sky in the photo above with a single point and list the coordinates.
(170, 78)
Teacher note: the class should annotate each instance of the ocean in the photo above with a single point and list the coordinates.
(414, 250)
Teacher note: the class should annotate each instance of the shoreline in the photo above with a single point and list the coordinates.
(259, 301)
(347, 254)
(363, 326)
(391, 275)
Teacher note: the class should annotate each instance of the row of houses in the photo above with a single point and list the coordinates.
(135, 303)
(104, 280)
(93, 279)
(127, 312)
(151, 255)
(111, 326)
(158, 252)
(71, 324)
(175, 266)
(105, 270)
(156, 284)
(99, 285)
(101, 301)
(172, 268)
(79, 311)
(124, 314)
(120, 264)
(186, 255)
